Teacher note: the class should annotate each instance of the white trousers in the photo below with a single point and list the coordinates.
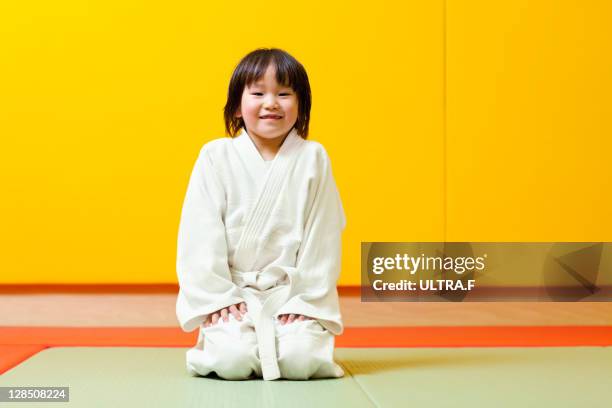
(304, 350)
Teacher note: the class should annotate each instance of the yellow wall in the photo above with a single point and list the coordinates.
(529, 130)
(488, 127)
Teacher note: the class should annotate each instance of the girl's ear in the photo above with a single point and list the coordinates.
(238, 113)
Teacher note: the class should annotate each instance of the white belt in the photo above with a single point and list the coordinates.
(254, 279)
(263, 318)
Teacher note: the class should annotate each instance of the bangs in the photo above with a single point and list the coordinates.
(255, 69)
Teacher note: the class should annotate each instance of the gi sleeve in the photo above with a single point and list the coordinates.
(313, 283)
(202, 261)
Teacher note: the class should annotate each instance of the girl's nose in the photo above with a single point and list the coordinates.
(271, 102)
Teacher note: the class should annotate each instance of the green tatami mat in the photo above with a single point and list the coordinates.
(432, 377)
(156, 377)
(538, 377)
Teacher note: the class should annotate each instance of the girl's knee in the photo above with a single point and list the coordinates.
(229, 349)
(300, 358)
(304, 348)
(236, 361)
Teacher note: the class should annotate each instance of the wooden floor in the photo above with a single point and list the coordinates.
(158, 310)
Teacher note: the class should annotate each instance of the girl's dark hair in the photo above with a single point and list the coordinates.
(289, 72)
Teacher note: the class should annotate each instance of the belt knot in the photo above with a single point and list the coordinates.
(245, 278)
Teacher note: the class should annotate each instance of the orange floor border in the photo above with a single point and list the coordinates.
(20, 343)
(449, 336)
(12, 355)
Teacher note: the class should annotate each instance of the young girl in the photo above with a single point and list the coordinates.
(259, 240)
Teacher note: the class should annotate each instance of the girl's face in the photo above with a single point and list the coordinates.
(269, 110)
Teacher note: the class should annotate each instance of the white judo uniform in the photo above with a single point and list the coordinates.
(267, 233)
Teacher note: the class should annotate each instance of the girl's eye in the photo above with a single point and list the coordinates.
(261, 94)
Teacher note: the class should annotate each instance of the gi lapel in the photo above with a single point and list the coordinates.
(245, 254)
(247, 151)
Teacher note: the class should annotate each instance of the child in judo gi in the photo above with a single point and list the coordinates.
(259, 243)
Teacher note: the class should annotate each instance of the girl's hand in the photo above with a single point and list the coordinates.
(289, 318)
(237, 310)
